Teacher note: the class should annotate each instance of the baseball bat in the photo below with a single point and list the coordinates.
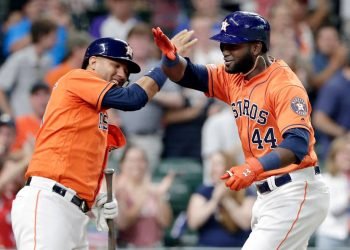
(112, 230)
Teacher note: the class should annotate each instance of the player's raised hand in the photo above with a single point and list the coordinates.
(164, 44)
(242, 176)
(183, 41)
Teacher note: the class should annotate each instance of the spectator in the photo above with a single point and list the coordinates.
(208, 8)
(330, 57)
(219, 133)
(205, 50)
(143, 211)
(26, 67)
(331, 115)
(144, 127)
(166, 13)
(16, 32)
(333, 233)
(120, 14)
(27, 126)
(302, 30)
(222, 217)
(18, 36)
(77, 45)
(11, 178)
(59, 12)
(184, 127)
(282, 37)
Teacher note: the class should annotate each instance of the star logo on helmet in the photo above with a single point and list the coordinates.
(129, 51)
(224, 25)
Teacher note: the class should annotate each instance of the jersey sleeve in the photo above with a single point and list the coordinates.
(217, 82)
(88, 86)
(291, 108)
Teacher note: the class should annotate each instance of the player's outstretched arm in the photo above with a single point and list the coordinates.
(173, 64)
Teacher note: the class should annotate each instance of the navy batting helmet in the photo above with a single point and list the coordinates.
(114, 49)
(242, 27)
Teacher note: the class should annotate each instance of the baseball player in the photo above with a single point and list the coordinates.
(65, 173)
(272, 112)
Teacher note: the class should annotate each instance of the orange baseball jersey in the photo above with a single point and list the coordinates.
(71, 143)
(265, 107)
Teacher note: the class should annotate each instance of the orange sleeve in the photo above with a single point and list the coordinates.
(292, 107)
(217, 82)
(88, 86)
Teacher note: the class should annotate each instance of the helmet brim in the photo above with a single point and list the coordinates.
(230, 39)
(132, 66)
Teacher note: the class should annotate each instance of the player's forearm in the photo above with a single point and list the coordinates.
(291, 150)
(195, 76)
(149, 86)
(175, 70)
(152, 82)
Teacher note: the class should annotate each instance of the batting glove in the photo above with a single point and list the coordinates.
(243, 176)
(164, 44)
(104, 210)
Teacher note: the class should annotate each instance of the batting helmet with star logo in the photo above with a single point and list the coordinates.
(114, 49)
(242, 27)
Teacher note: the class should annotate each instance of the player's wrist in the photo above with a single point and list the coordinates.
(158, 76)
(255, 165)
(169, 62)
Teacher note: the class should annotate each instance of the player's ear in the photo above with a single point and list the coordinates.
(92, 62)
(257, 48)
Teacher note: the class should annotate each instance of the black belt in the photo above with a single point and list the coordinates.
(279, 181)
(81, 203)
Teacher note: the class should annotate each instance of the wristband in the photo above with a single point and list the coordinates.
(158, 76)
(170, 63)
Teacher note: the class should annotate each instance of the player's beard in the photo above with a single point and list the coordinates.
(244, 65)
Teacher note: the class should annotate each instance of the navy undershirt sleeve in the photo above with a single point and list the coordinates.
(195, 77)
(130, 98)
(295, 140)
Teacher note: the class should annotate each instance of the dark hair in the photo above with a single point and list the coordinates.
(41, 28)
(39, 86)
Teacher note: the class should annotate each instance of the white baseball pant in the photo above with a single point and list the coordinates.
(42, 219)
(286, 217)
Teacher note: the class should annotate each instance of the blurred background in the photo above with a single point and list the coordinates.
(181, 142)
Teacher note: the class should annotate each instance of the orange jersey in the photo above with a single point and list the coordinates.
(26, 126)
(71, 143)
(265, 107)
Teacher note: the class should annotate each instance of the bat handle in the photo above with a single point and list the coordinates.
(109, 183)
(112, 231)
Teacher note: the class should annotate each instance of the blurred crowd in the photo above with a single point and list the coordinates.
(167, 181)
